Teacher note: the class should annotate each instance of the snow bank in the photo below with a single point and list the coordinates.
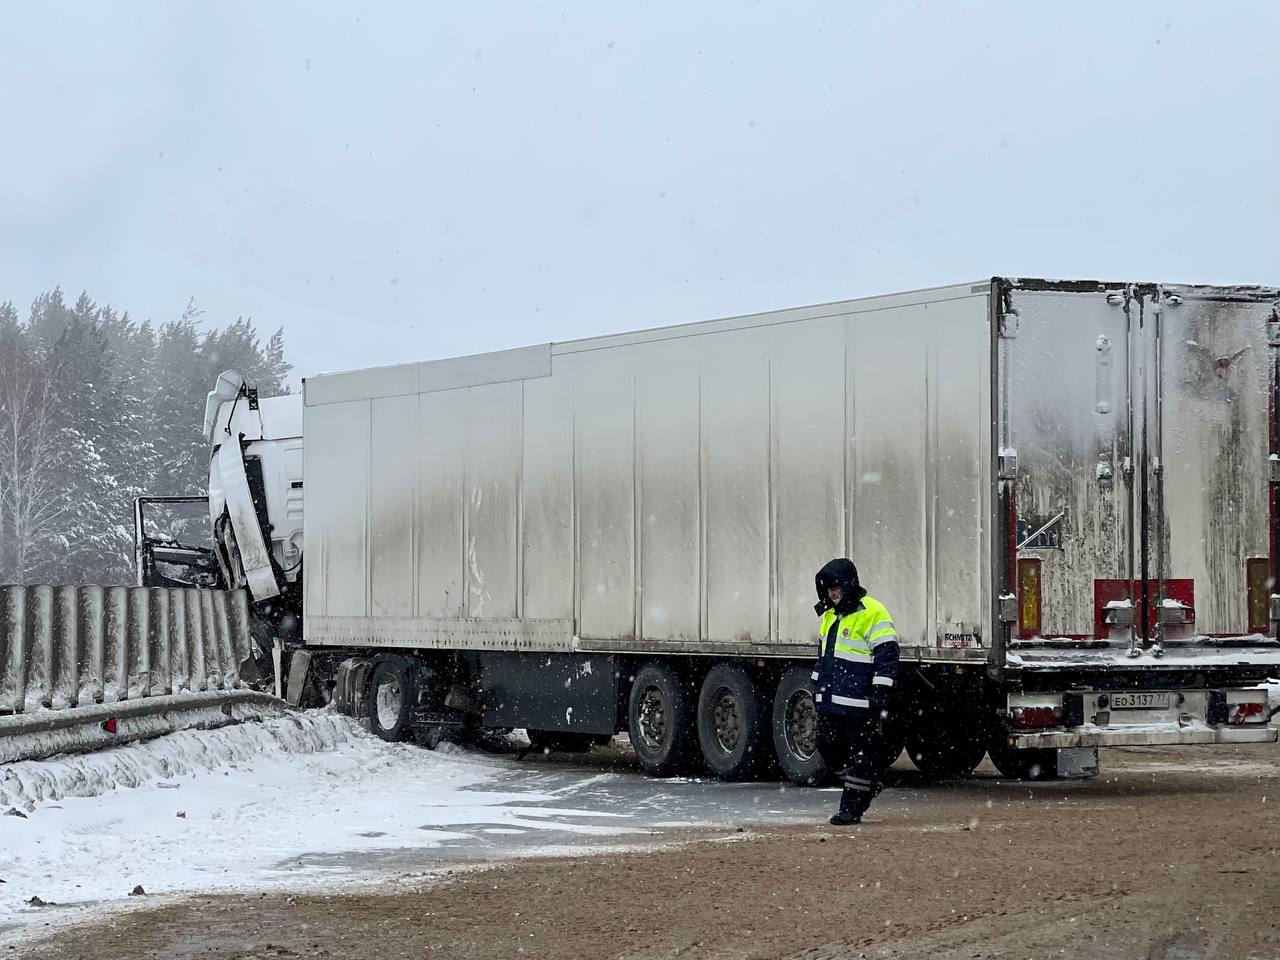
(27, 783)
(294, 801)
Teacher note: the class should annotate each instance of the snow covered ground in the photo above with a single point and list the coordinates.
(314, 801)
(290, 801)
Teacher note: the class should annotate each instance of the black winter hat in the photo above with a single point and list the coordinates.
(842, 572)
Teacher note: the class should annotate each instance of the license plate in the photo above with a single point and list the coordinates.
(1140, 701)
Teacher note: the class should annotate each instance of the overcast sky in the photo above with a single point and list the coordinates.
(403, 181)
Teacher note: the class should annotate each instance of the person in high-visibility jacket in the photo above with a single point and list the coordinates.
(853, 684)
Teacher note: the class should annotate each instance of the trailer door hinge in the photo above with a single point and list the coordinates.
(1008, 608)
(1176, 616)
(1007, 464)
(1275, 468)
(1275, 607)
(1273, 331)
(1009, 325)
(1119, 615)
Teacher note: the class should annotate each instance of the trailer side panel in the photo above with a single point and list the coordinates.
(666, 491)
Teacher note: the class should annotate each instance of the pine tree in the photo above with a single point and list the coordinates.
(49, 317)
(96, 437)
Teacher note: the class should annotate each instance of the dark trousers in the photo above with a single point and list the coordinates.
(852, 746)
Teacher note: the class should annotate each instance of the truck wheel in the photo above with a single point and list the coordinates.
(560, 742)
(391, 698)
(731, 723)
(795, 730)
(1032, 764)
(946, 747)
(658, 718)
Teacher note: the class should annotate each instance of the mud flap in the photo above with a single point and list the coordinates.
(299, 668)
(1077, 763)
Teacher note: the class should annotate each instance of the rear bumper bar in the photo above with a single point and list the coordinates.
(1144, 735)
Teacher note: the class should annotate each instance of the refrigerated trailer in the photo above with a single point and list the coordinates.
(1064, 492)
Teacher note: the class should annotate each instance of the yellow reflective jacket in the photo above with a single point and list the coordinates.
(859, 651)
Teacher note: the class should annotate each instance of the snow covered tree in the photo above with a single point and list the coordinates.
(33, 502)
(96, 409)
(95, 438)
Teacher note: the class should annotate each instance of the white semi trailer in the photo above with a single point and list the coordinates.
(1065, 492)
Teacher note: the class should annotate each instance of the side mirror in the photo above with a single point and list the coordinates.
(228, 387)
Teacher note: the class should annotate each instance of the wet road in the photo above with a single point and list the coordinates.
(602, 801)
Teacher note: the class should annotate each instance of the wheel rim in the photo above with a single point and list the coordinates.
(652, 718)
(389, 702)
(726, 720)
(801, 725)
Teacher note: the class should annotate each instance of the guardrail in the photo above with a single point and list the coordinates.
(34, 736)
(65, 646)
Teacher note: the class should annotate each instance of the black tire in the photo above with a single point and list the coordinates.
(795, 730)
(555, 741)
(659, 720)
(733, 729)
(391, 698)
(944, 746)
(1033, 764)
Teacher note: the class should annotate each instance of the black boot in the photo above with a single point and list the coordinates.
(852, 805)
(854, 800)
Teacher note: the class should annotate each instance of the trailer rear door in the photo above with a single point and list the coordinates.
(1211, 496)
(1136, 423)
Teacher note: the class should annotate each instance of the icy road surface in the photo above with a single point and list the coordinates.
(314, 800)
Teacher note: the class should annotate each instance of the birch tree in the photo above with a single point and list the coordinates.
(33, 507)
